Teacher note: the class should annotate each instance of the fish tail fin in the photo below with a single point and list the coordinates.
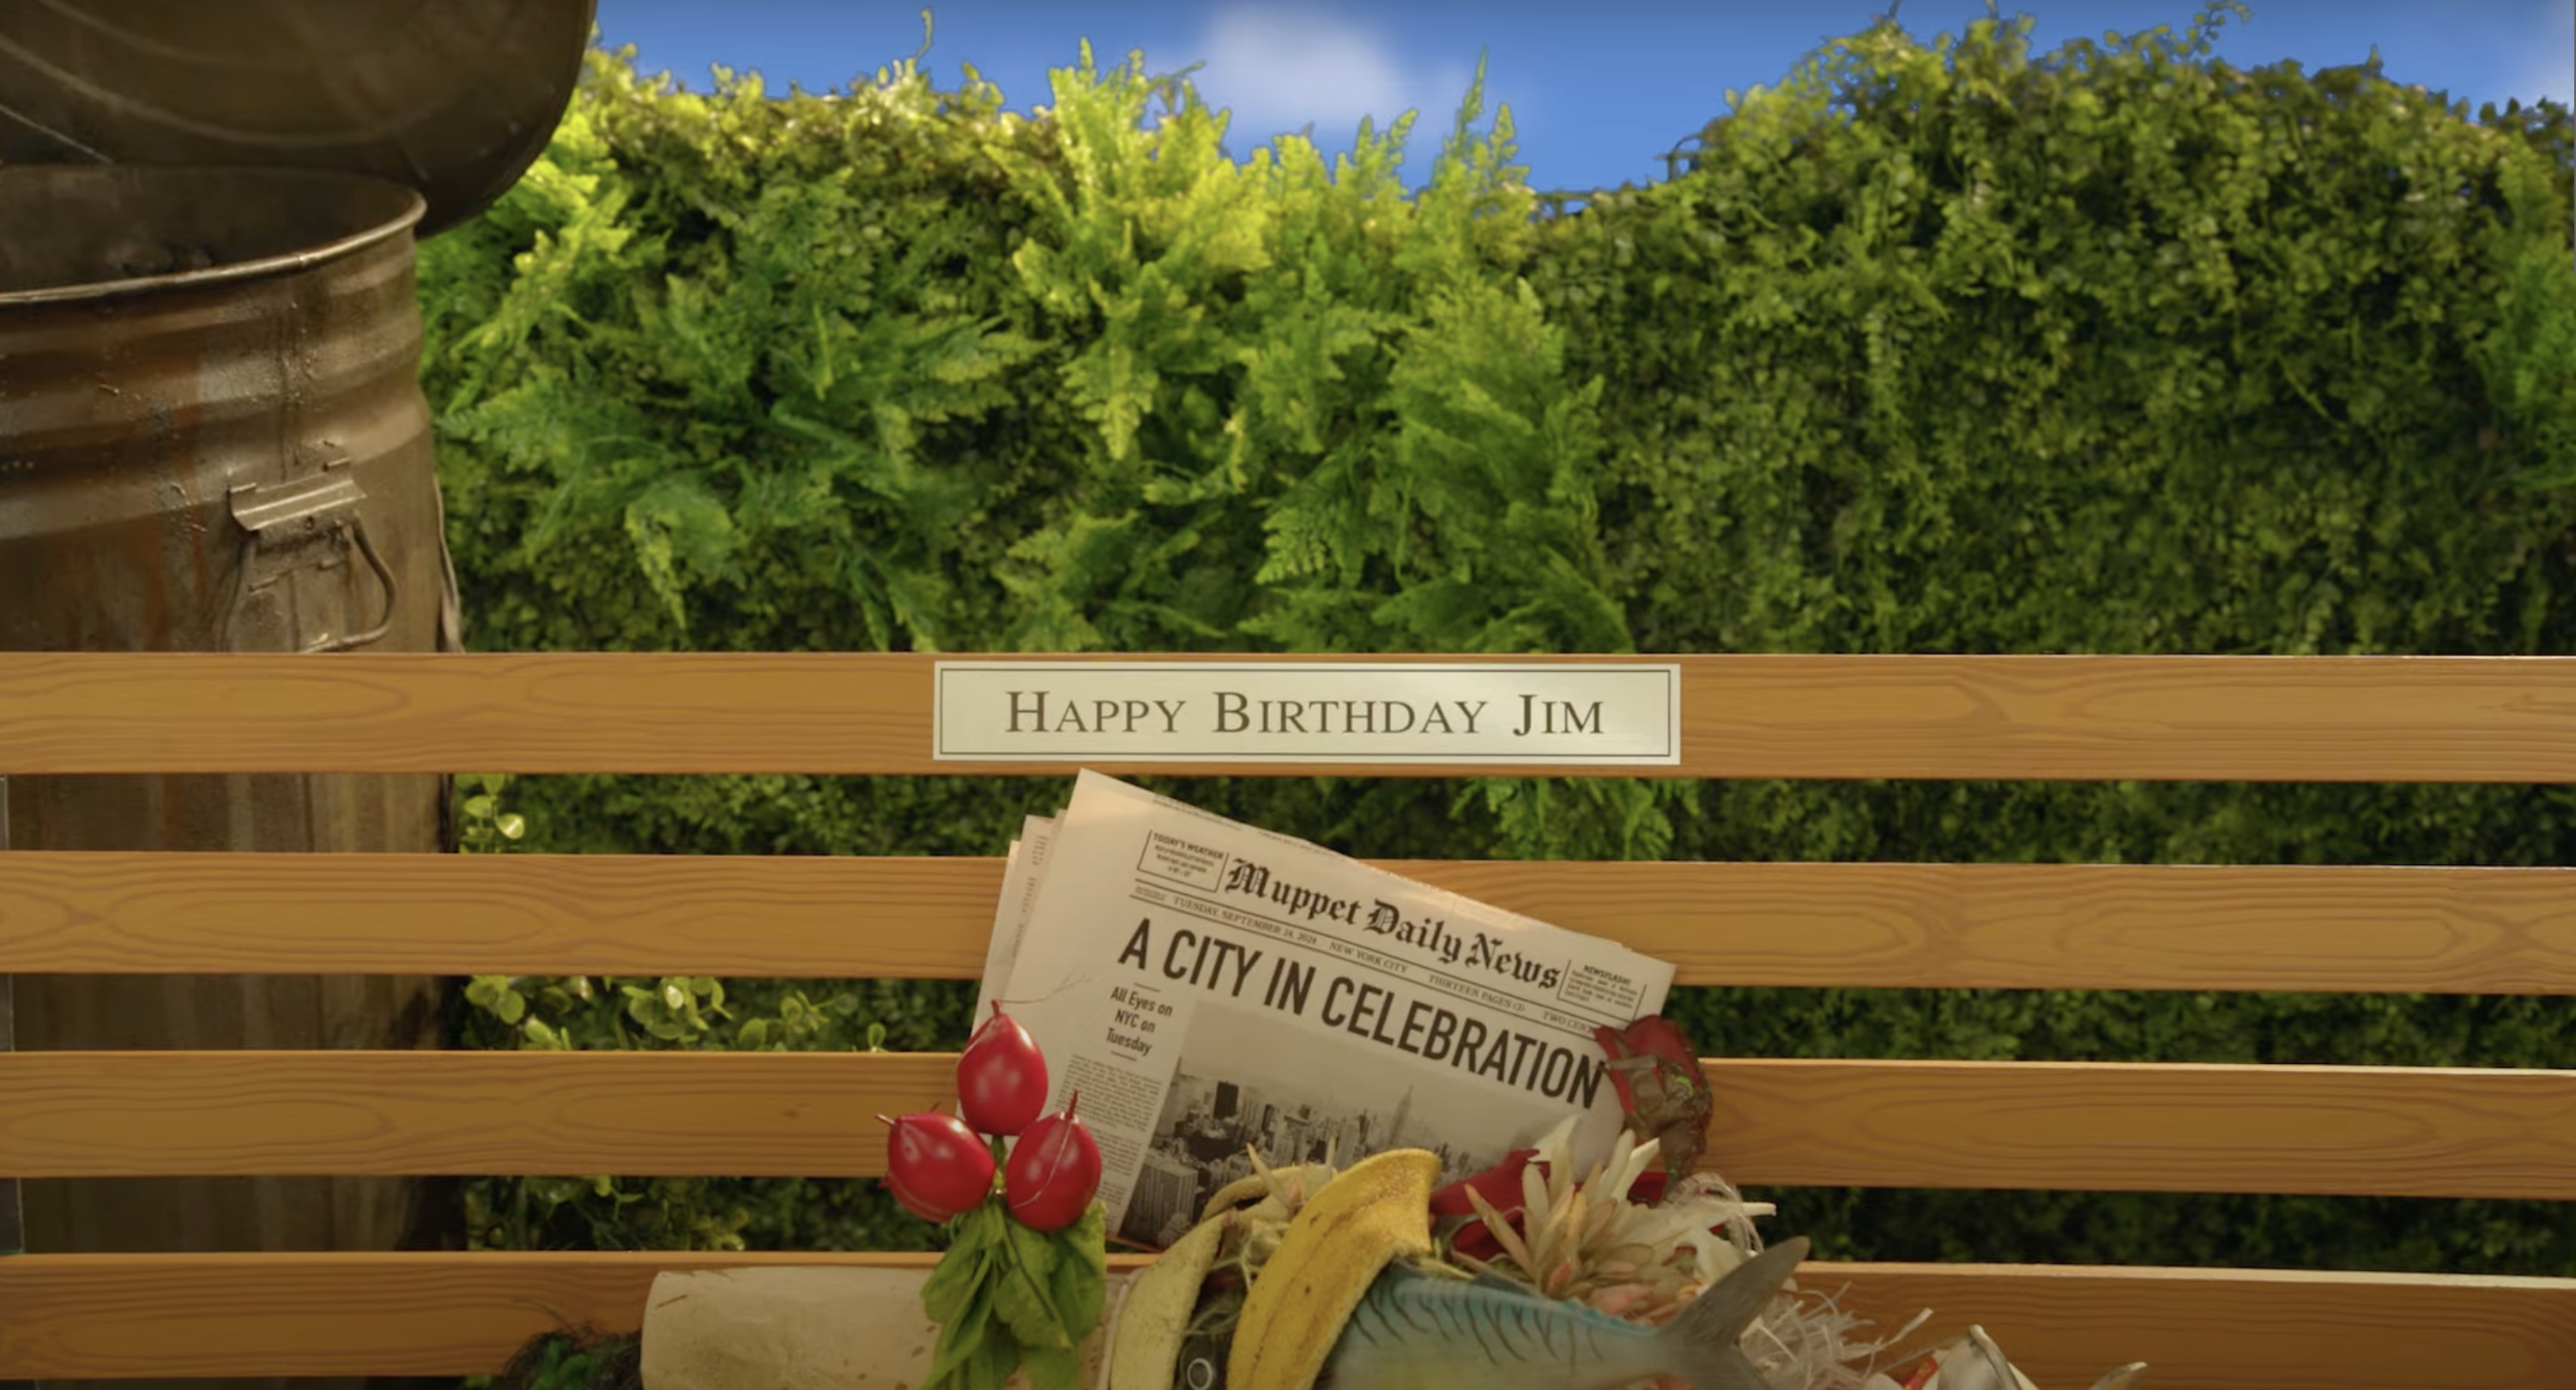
(1702, 1341)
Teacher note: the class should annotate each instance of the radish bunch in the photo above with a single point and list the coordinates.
(942, 1166)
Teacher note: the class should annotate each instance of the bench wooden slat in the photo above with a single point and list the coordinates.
(2216, 1329)
(122, 1316)
(2401, 1131)
(758, 916)
(2468, 719)
(2104, 1126)
(2066, 926)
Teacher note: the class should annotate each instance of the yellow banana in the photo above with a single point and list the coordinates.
(1376, 1211)
(1154, 1318)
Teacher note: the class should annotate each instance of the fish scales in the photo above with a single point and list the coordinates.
(1499, 1325)
(1413, 1332)
(1439, 1334)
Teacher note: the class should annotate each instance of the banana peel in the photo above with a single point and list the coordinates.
(1375, 1212)
(1266, 1189)
(1154, 1319)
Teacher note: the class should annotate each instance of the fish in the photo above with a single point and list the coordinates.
(1418, 1332)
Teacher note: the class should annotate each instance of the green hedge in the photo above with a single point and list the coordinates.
(1945, 346)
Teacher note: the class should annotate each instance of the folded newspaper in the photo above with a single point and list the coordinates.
(1208, 987)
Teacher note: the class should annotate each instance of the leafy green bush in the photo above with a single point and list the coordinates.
(1940, 346)
(1956, 348)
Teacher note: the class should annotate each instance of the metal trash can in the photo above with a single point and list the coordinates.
(212, 438)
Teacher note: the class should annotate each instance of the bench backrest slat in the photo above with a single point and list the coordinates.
(450, 1314)
(2333, 719)
(2394, 929)
(2373, 1131)
(2076, 1126)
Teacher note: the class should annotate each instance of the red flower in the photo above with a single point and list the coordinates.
(1476, 1243)
(1661, 1086)
(1499, 1185)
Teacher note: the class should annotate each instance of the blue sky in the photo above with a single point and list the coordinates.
(1598, 90)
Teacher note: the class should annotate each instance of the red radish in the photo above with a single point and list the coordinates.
(1054, 1171)
(936, 1166)
(1001, 1077)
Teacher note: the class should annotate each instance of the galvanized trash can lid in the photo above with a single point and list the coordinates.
(454, 98)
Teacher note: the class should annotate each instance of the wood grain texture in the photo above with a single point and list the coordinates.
(2061, 926)
(2212, 1329)
(140, 1114)
(2106, 1127)
(81, 1316)
(2468, 719)
(2422, 1132)
(2064, 926)
(759, 916)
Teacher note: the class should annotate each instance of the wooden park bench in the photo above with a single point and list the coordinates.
(1919, 1124)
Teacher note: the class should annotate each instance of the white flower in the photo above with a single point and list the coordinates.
(1581, 1237)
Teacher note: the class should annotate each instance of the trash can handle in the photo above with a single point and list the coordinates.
(295, 511)
(355, 530)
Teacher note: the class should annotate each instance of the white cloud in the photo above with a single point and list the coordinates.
(1278, 67)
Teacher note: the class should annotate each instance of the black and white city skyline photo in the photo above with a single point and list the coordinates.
(1237, 1087)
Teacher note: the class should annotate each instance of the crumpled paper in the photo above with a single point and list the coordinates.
(1974, 1362)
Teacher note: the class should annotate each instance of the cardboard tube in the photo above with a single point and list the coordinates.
(800, 1327)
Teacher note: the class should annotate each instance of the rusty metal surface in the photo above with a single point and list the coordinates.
(212, 438)
(154, 433)
(85, 233)
(452, 97)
